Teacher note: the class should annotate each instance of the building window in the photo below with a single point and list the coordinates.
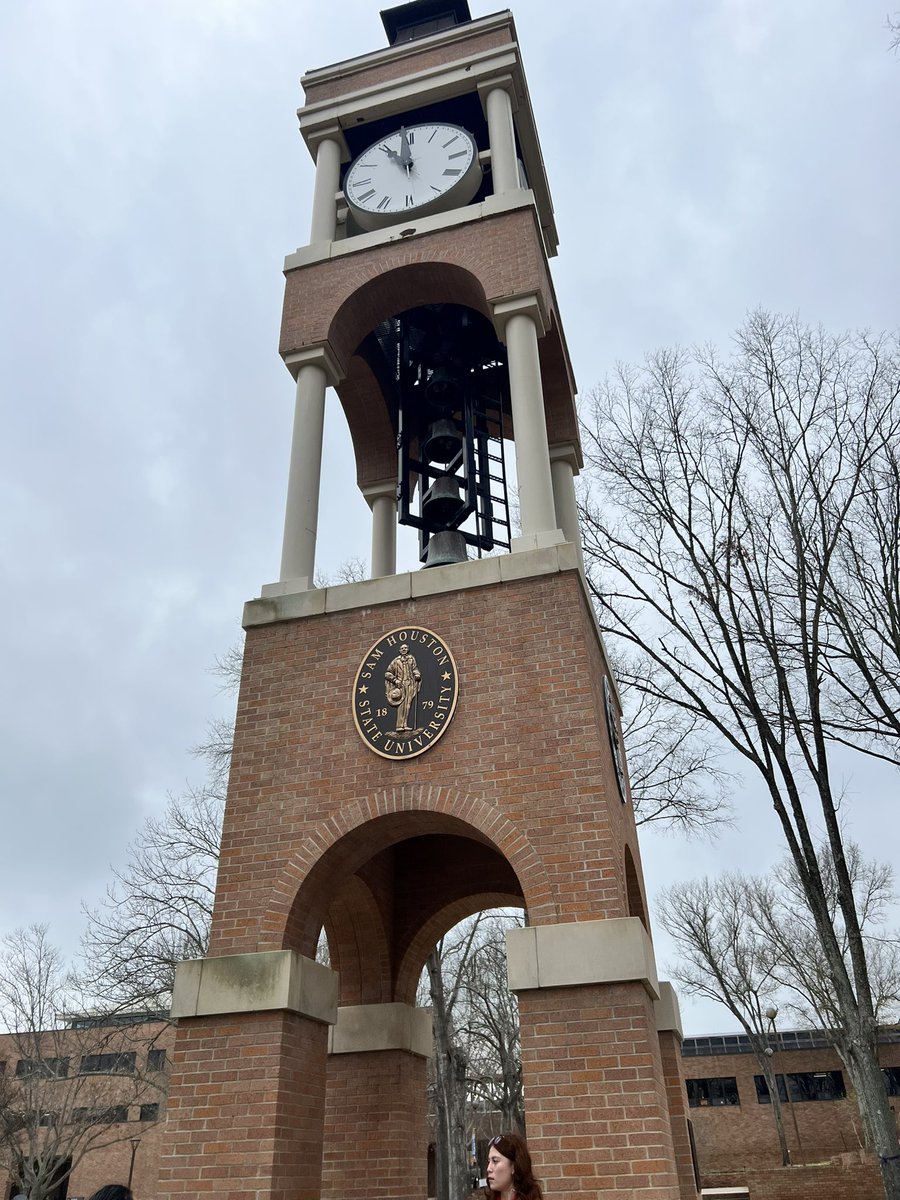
(891, 1080)
(116, 1114)
(801, 1086)
(42, 1068)
(720, 1092)
(156, 1060)
(108, 1064)
(149, 1112)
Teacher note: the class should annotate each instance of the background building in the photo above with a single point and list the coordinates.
(734, 1132)
(87, 1100)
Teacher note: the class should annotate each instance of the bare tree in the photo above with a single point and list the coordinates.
(75, 1077)
(723, 957)
(490, 1025)
(778, 912)
(674, 771)
(724, 493)
(158, 909)
(750, 943)
(446, 972)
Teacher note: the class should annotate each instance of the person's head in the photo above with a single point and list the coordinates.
(509, 1166)
(112, 1191)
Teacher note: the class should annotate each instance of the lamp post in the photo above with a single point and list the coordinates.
(135, 1142)
(771, 1014)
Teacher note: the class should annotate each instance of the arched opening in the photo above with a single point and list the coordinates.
(633, 892)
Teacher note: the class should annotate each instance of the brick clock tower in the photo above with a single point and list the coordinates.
(419, 746)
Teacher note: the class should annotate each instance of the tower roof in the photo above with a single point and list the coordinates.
(419, 18)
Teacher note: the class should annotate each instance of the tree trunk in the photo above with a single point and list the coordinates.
(768, 1071)
(877, 1114)
(450, 1154)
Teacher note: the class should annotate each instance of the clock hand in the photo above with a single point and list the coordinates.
(405, 155)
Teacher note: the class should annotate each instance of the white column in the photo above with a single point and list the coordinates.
(518, 320)
(314, 370)
(328, 179)
(563, 469)
(501, 133)
(382, 499)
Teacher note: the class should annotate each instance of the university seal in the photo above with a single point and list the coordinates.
(405, 692)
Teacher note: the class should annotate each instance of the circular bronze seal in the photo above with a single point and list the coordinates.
(405, 692)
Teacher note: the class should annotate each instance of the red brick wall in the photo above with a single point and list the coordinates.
(376, 1116)
(854, 1177)
(676, 1098)
(354, 77)
(597, 1116)
(524, 764)
(246, 1108)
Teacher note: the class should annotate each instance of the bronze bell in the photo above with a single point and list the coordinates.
(444, 389)
(440, 503)
(447, 546)
(443, 442)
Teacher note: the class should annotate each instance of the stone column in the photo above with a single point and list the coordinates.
(564, 466)
(520, 323)
(314, 370)
(604, 1088)
(376, 1111)
(382, 499)
(247, 1091)
(328, 180)
(498, 106)
(668, 1028)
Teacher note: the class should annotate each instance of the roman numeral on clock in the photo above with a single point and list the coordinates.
(366, 195)
(383, 203)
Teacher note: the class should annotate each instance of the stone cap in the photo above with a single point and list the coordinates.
(617, 950)
(368, 1027)
(261, 982)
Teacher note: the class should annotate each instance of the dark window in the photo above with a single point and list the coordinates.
(891, 1080)
(114, 1115)
(156, 1060)
(48, 1118)
(108, 1064)
(712, 1093)
(762, 1089)
(801, 1086)
(149, 1112)
(42, 1068)
(816, 1085)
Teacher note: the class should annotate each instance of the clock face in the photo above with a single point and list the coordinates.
(417, 170)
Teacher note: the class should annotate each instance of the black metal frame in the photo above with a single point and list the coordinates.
(479, 468)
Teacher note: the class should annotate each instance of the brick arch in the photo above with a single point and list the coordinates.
(633, 893)
(342, 844)
(407, 285)
(433, 930)
(358, 945)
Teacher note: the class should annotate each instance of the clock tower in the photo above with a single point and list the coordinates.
(422, 745)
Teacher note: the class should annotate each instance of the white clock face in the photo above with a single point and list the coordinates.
(422, 167)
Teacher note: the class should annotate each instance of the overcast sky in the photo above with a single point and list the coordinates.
(704, 157)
